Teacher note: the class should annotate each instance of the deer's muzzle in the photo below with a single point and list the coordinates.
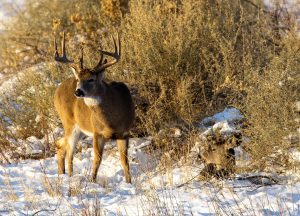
(79, 93)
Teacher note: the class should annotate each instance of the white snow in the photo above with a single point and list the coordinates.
(31, 186)
(229, 115)
(34, 187)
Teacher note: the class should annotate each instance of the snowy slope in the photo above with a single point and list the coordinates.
(33, 186)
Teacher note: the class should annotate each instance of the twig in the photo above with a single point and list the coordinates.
(188, 181)
(254, 179)
(5, 158)
(256, 6)
(44, 210)
(47, 210)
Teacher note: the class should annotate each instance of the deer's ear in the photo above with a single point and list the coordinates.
(74, 72)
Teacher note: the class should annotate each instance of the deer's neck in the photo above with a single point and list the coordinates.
(98, 98)
(93, 101)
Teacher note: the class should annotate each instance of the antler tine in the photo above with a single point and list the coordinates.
(116, 49)
(81, 58)
(119, 51)
(101, 55)
(100, 60)
(56, 55)
(99, 63)
(116, 55)
(63, 58)
(63, 46)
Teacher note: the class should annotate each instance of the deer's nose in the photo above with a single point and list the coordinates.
(79, 93)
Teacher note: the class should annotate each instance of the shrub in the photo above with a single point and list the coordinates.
(270, 107)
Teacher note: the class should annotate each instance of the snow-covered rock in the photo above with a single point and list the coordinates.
(34, 145)
(225, 124)
(230, 115)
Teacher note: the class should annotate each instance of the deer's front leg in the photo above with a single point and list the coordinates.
(98, 143)
(61, 155)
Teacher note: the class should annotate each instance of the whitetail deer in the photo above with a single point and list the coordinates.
(219, 154)
(88, 105)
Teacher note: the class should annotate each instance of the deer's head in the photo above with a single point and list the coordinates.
(220, 155)
(89, 80)
(219, 150)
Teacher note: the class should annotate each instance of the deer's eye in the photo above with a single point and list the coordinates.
(90, 80)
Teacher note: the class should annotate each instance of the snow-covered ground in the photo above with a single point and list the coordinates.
(33, 186)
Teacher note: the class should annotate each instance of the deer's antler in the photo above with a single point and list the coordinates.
(116, 55)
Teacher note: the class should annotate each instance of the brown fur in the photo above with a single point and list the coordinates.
(113, 117)
(219, 154)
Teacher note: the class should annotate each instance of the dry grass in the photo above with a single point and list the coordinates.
(10, 193)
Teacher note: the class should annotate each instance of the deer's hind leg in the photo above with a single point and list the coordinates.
(122, 145)
(71, 140)
(65, 147)
(98, 144)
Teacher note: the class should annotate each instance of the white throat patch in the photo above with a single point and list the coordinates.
(92, 101)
